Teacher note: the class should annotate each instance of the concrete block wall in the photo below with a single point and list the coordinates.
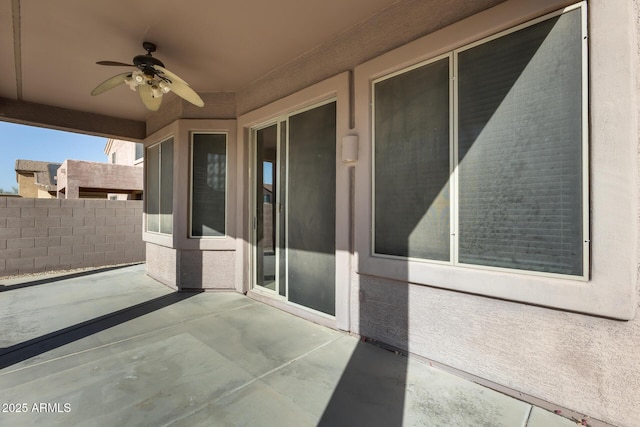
(39, 235)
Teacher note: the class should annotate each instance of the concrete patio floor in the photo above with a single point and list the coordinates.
(116, 348)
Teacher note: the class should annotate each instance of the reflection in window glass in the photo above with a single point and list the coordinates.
(412, 163)
(520, 149)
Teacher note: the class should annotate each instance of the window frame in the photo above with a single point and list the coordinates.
(584, 76)
(611, 290)
(192, 133)
(137, 159)
(448, 55)
(146, 178)
(454, 146)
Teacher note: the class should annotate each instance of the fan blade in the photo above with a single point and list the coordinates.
(110, 83)
(147, 98)
(180, 87)
(185, 92)
(172, 76)
(114, 64)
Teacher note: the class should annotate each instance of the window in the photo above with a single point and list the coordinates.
(505, 186)
(208, 184)
(412, 163)
(159, 188)
(113, 158)
(139, 151)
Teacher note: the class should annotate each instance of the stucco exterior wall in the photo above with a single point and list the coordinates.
(581, 362)
(125, 152)
(161, 264)
(207, 269)
(42, 194)
(191, 269)
(27, 185)
(75, 175)
(394, 26)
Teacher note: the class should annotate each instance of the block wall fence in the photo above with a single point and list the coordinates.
(38, 235)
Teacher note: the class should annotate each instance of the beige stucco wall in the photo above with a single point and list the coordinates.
(161, 264)
(125, 152)
(43, 194)
(582, 362)
(394, 26)
(76, 174)
(207, 269)
(27, 185)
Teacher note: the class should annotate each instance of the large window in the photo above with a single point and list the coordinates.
(480, 155)
(159, 188)
(208, 184)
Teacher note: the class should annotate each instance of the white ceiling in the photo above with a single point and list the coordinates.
(216, 46)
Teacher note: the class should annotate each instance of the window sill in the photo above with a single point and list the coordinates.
(600, 296)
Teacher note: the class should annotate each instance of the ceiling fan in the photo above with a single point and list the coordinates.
(151, 80)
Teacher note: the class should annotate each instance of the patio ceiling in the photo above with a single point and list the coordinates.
(48, 50)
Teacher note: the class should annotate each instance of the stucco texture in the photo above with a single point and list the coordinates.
(577, 361)
(207, 269)
(394, 26)
(161, 264)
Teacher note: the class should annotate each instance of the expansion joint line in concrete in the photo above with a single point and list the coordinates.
(248, 383)
(181, 323)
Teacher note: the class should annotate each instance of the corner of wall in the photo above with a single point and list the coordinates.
(217, 105)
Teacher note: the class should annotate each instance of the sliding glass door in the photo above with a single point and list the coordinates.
(294, 208)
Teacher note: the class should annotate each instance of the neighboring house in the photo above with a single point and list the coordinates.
(118, 179)
(128, 153)
(122, 152)
(36, 179)
(84, 180)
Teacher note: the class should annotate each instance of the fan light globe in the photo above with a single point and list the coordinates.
(165, 87)
(131, 83)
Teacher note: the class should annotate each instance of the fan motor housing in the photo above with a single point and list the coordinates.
(145, 61)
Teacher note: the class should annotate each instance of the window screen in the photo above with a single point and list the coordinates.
(159, 189)
(520, 149)
(412, 163)
(166, 187)
(519, 143)
(152, 190)
(209, 173)
(311, 220)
